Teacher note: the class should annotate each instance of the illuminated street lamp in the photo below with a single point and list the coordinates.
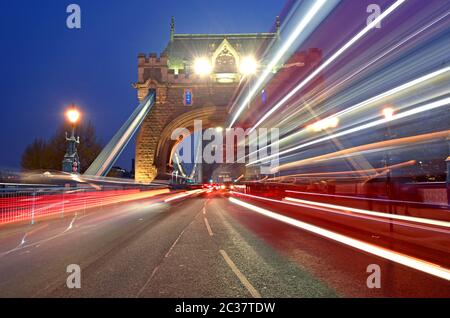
(202, 66)
(71, 161)
(324, 124)
(388, 113)
(248, 66)
(73, 115)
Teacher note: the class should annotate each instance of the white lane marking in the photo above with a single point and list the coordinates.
(38, 243)
(175, 242)
(165, 256)
(208, 227)
(157, 267)
(148, 281)
(23, 240)
(71, 224)
(204, 206)
(252, 290)
(373, 213)
(409, 261)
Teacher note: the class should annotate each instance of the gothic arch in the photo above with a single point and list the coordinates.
(154, 164)
(225, 46)
(211, 116)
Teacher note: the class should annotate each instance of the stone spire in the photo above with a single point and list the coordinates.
(172, 28)
(278, 25)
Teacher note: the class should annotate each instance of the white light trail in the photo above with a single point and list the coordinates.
(328, 61)
(369, 101)
(378, 58)
(183, 195)
(358, 198)
(395, 90)
(372, 213)
(335, 211)
(403, 259)
(287, 44)
(411, 112)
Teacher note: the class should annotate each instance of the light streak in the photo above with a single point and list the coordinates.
(369, 101)
(403, 259)
(183, 195)
(13, 209)
(365, 172)
(335, 211)
(324, 124)
(373, 146)
(391, 49)
(373, 213)
(411, 112)
(330, 60)
(359, 198)
(284, 48)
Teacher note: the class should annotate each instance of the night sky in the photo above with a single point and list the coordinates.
(45, 66)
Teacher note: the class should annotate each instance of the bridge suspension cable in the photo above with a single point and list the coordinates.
(103, 163)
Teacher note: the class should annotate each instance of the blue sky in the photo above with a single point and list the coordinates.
(45, 66)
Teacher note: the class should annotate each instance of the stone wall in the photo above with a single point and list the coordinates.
(169, 105)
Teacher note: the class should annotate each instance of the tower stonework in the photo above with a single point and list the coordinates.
(171, 76)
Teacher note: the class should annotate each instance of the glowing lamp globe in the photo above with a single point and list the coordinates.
(202, 67)
(388, 113)
(248, 66)
(73, 116)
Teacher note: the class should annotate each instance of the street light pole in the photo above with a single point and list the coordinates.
(71, 161)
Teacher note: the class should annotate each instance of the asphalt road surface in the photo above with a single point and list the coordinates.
(201, 246)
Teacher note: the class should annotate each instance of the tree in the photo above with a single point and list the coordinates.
(36, 155)
(44, 155)
(90, 146)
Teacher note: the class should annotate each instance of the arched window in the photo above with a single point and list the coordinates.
(225, 62)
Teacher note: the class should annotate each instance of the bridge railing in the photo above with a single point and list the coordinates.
(27, 204)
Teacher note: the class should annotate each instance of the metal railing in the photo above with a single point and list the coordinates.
(24, 203)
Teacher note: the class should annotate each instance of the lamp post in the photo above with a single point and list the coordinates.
(71, 161)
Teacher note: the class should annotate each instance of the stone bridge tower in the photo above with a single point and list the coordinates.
(182, 95)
